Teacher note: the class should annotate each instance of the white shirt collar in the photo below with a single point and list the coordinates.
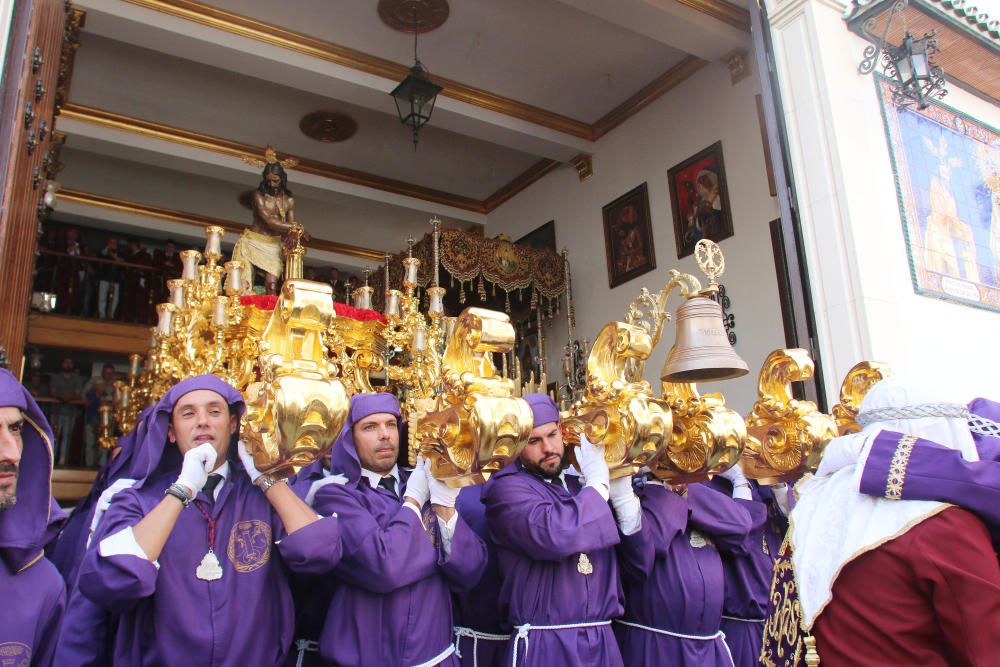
(562, 479)
(374, 478)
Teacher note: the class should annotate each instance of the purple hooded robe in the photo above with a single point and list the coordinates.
(87, 634)
(391, 601)
(673, 575)
(477, 609)
(33, 591)
(167, 615)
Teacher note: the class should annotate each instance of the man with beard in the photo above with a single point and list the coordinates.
(33, 591)
(555, 548)
(391, 602)
(192, 554)
(273, 216)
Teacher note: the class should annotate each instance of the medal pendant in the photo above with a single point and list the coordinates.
(697, 539)
(583, 565)
(209, 570)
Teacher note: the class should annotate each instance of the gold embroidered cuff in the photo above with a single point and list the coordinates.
(897, 468)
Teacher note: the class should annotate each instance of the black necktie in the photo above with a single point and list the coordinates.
(209, 488)
(389, 484)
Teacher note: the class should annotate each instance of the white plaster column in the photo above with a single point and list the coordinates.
(843, 181)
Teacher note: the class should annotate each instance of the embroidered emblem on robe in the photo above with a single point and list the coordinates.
(249, 545)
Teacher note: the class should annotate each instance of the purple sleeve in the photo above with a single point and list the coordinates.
(372, 555)
(664, 516)
(933, 472)
(542, 527)
(467, 560)
(117, 582)
(719, 516)
(313, 549)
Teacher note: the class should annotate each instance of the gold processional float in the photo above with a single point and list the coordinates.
(299, 362)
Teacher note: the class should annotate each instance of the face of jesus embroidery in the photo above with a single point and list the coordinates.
(249, 545)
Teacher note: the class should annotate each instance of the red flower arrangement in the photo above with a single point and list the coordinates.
(267, 302)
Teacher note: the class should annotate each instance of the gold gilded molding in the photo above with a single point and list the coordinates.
(238, 150)
(649, 93)
(584, 164)
(534, 173)
(721, 11)
(173, 215)
(244, 26)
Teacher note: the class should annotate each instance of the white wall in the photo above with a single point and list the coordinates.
(864, 299)
(699, 112)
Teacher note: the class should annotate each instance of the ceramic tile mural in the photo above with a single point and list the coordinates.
(947, 169)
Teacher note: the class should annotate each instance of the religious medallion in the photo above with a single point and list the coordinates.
(697, 539)
(583, 565)
(210, 569)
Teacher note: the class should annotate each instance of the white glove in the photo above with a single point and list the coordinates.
(247, 459)
(781, 497)
(441, 493)
(628, 511)
(741, 487)
(417, 486)
(840, 453)
(590, 459)
(198, 462)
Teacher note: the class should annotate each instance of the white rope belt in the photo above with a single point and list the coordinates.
(523, 630)
(303, 646)
(438, 658)
(744, 620)
(475, 635)
(704, 638)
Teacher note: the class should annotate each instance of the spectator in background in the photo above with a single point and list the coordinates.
(37, 385)
(138, 302)
(109, 279)
(72, 293)
(98, 391)
(310, 273)
(66, 385)
(167, 262)
(337, 285)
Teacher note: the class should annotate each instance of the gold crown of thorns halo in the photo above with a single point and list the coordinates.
(270, 157)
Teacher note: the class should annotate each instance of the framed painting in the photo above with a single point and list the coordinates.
(700, 199)
(628, 237)
(947, 170)
(543, 236)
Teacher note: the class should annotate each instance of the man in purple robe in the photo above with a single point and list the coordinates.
(673, 574)
(87, 633)
(480, 638)
(555, 548)
(190, 555)
(32, 589)
(310, 593)
(748, 570)
(72, 542)
(391, 602)
(925, 470)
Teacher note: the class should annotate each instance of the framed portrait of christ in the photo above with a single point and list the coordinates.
(947, 171)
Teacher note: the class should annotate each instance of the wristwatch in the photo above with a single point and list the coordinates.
(265, 482)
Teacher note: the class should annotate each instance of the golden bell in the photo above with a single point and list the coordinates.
(701, 352)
